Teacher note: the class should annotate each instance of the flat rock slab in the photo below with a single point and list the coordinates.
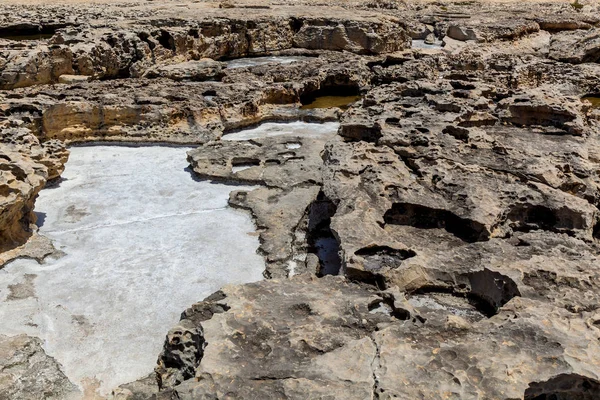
(141, 241)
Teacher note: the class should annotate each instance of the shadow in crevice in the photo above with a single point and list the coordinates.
(424, 217)
(29, 32)
(564, 387)
(486, 290)
(166, 40)
(320, 238)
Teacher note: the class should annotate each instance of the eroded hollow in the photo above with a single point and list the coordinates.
(526, 218)
(424, 217)
(342, 97)
(564, 387)
(239, 164)
(430, 301)
(476, 293)
(386, 306)
(492, 288)
(321, 239)
(166, 40)
(379, 257)
(28, 32)
(594, 99)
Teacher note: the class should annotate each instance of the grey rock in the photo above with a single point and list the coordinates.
(27, 373)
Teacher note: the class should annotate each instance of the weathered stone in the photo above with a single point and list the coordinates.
(359, 341)
(573, 48)
(459, 198)
(27, 373)
(191, 70)
(461, 33)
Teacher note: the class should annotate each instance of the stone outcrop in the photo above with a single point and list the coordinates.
(288, 168)
(165, 110)
(459, 200)
(334, 338)
(26, 167)
(27, 373)
(114, 52)
(573, 47)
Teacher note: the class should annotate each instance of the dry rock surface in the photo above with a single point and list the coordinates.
(424, 178)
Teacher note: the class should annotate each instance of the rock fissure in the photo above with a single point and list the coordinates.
(375, 365)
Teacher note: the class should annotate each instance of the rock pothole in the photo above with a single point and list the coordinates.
(593, 99)
(564, 387)
(321, 239)
(473, 296)
(431, 301)
(329, 97)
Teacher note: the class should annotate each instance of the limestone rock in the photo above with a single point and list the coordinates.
(27, 373)
(21, 180)
(573, 47)
(190, 70)
(288, 168)
(461, 33)
(459, 199)
(357, 37)
(357, 341)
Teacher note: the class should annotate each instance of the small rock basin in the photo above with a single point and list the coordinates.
(139, 240)
(342, 102)
(595, 100)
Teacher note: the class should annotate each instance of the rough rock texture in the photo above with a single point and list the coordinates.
(187, 112)
(334, 338)
(25, 167)
(131, 47)
(27, 373)
(288, 167)
(459, 199)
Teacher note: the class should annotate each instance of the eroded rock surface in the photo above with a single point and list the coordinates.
(258, 340)
(27, 373)
(459, 198)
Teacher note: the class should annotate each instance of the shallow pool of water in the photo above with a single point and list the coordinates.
(255, 61)
(141, 241)
(343, 102)
(595, 100)
(297, 128)
(19, 38)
